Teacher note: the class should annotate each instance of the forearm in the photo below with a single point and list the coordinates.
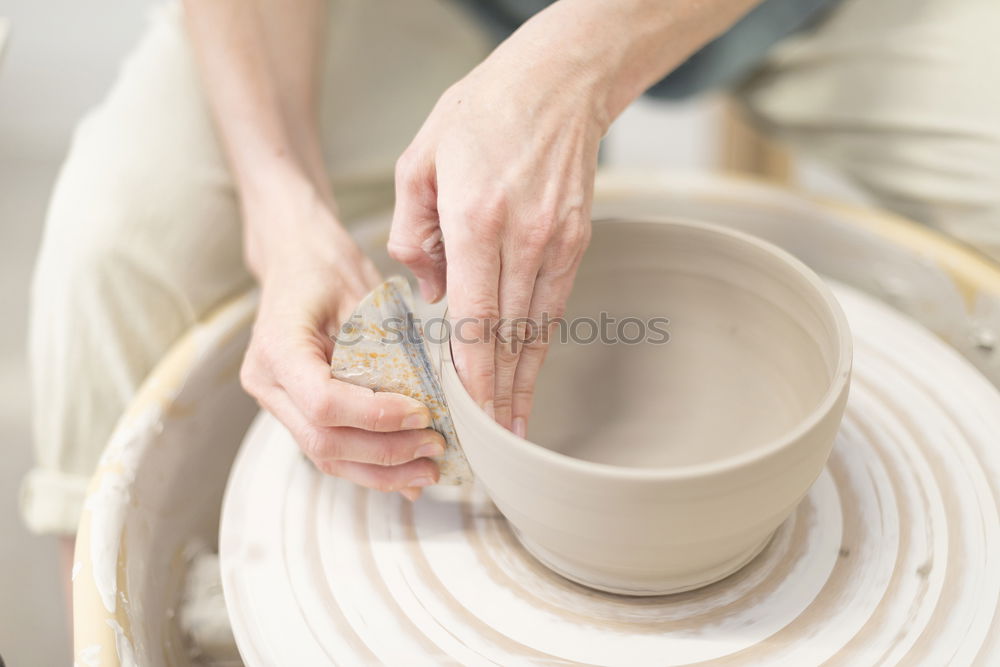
(616, 50)
(260, 64)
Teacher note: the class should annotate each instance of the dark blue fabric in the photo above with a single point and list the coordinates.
(720, 63)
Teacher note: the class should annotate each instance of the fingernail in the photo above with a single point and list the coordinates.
(417, 419)
(488, 408)
(410, 494)
(421, 481)
(430, 449)
(519, 427)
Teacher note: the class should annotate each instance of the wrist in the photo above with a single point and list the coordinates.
(277, 175)
(273, 179)
(287, 221)
(614, 51)
(552, 68)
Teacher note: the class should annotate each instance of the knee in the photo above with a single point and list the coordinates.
(99, 269)
(97, 306)
(123, 222)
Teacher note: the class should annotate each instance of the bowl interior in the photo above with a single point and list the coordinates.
(750, 352)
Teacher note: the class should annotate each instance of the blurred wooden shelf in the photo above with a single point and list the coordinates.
(746, 150)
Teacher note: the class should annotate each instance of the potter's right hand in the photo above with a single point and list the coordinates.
(312, 275)
(493, 207)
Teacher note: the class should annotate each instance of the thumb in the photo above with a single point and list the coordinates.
(415, 239)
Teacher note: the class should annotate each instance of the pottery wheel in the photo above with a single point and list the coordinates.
(893, 557)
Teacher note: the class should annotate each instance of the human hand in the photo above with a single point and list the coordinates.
(493, 204)
(312, 275)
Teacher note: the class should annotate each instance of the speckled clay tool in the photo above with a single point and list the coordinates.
(382, 347)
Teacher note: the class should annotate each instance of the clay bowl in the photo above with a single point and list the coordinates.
(655, 467)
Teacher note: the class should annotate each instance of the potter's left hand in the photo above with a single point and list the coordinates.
(312, 276)
(493, 195)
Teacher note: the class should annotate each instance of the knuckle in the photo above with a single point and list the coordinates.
(250, 377)
(484, 309)
(550, 321)
(404, 253)
(414, 173)
(484, 372)
(525, 331)
(314, 446)
(534, 345)
(523, 395)
(372, 414)
(381, 457)
(386, 455)
(507, 353)
(316, 408)
(540, 233)
(557, 310)
(268, 363)
(571, 242)
(399, 253)
(264, 344)
(399, 250)
(536, 333)
(486, 214)
(579, 235)
(477, 327)
(328, 467)
(406, 167)
(503, 402)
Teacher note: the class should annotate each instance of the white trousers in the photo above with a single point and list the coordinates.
(143, 232)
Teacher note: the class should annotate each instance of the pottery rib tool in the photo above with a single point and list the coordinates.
(382, 347)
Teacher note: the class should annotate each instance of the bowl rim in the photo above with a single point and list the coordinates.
(838, 383)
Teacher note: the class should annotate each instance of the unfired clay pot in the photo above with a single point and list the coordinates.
(659, 467)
